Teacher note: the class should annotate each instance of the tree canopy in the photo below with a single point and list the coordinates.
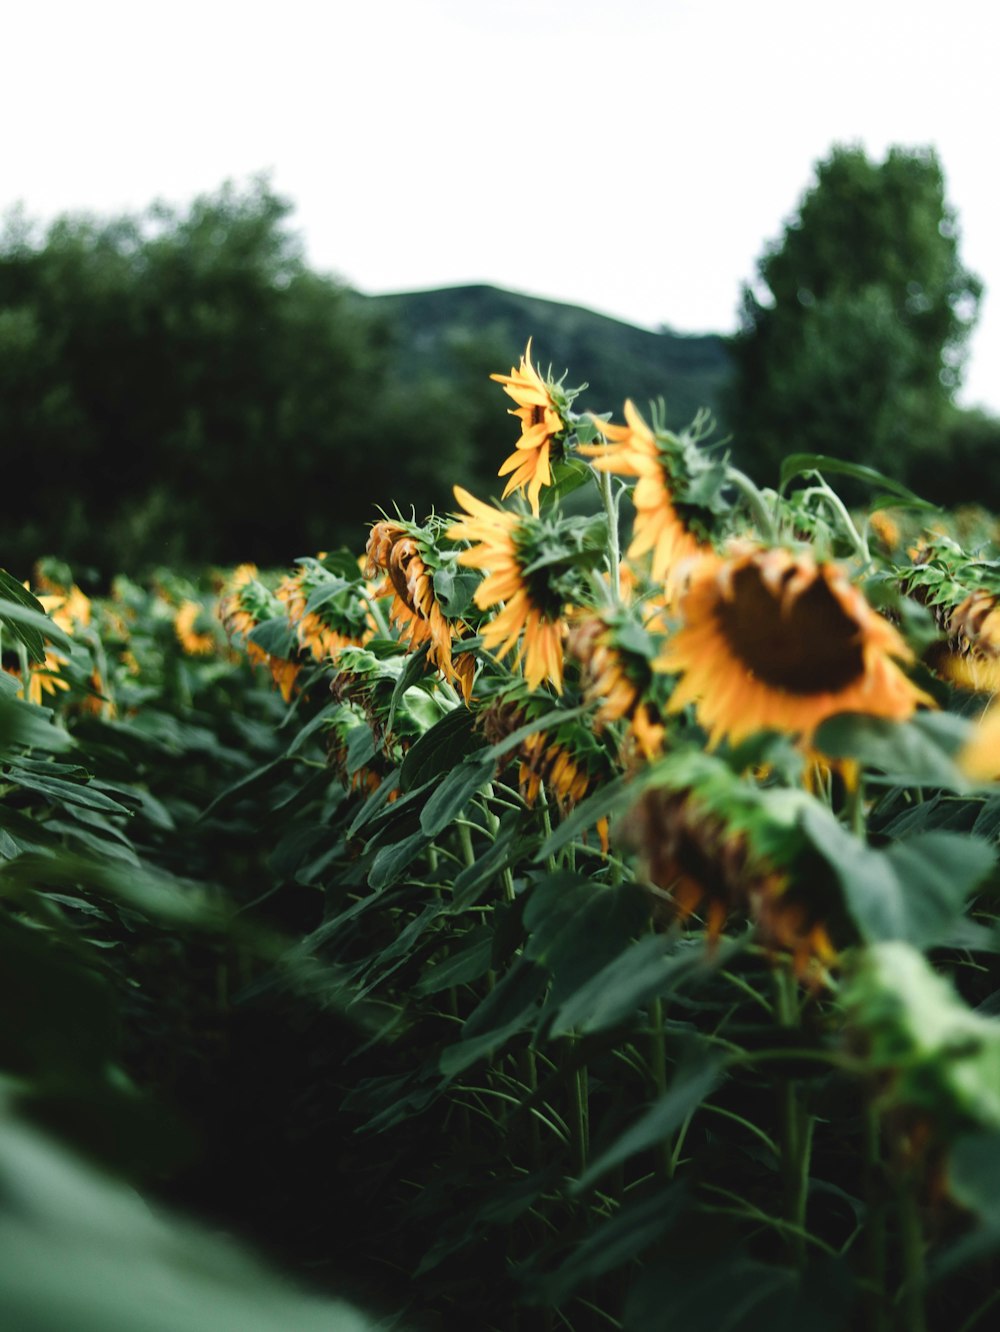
(852, 341)
(181, 387)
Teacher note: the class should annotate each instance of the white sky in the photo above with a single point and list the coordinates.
(632, 156)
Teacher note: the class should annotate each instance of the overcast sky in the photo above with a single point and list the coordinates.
(632, 156)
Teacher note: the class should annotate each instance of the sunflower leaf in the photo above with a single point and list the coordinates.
(799, 464)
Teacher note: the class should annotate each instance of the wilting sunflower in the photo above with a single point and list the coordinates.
(415, 609)
(325, 632)
(529, 466)
(568, 769)
(698, 860)
(195, 642)
(979, 757)
(616, 679)
(245, 605)
(633, 450)
(532, 608)
(971, 657)
(772, 640)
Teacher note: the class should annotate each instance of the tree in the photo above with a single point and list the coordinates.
(853, 341)
(181, 387)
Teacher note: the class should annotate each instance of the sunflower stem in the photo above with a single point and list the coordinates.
(826, 492)
(580, 1122)
(658, 1068)
(797, 1126)
(755, 503)
(614, 547)
(912, 1240)
(875, 1224)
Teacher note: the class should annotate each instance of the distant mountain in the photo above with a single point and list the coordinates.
(434, 331)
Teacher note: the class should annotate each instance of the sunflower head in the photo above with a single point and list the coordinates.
(771, 640)
(543, 408)
(534, 567)
(678, 494)
(326, 610)
(712, 842)
(409, 558)
(193, 634)
(615, 653)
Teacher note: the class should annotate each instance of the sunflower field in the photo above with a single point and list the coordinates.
(578, 911)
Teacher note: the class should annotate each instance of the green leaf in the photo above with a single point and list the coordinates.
(414, 669)
(603, 803)
(693, 1081)
(275, 637)
(440, 749)
(913, 891)
(469, 884)
(576, 927)
(63, 792)
(454, 588)
(392, 861)
(508, 1009)
(733, 1293)
(919, 752)
(467, 964)
(652, 966)
(455, 792)
(622, 1239)
(25, 724)
(798, 464)
(312, 726)
(24, 615)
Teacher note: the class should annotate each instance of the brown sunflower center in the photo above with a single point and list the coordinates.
(812, 647)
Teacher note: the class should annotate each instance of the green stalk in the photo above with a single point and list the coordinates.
(796, 1131)
(875, 1224)
(658, 1068)
(614, 547)
(912, 1244)
(580, 1119)
(755, 503)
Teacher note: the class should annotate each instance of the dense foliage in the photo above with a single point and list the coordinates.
(610, 933)
(853, 337)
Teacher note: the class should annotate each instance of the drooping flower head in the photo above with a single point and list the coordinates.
(404, 555)
(567, 761)
(248, 603)
(775, 641)
(327, 611)
(615, 654)
(543, 426)
(195, 642)
(676, 491)
(533, 567)
(714, 843)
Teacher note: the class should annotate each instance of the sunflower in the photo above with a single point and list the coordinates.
(45, 678)
(321, 639)
(415, 609)
(698, 860)
(616, 679)
(633, 450)
(525, 607)
(566, 768)
(245, 605)
(971, 659)
(194, 642)
(772, 640)
(979, 757)
(529, 466)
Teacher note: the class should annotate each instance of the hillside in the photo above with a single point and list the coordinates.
(439, 331)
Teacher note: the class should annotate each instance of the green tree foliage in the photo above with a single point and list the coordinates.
(853, 341)
(165, 379)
